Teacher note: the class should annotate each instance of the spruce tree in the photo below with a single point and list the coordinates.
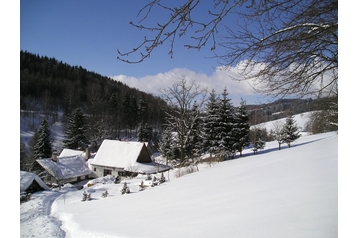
(32, 144)
(256, 137)
(143, 110)
(225, 126)
(75, 133)
(113, 105)
(164, 144)
(194, 145)
(43, 147)
(33, 166)
(241, 128)
(168, 145)
(210, 133)
(145, 133)
(290, 130)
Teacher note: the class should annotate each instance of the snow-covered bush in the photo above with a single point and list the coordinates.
(185, 170)
(103, 180)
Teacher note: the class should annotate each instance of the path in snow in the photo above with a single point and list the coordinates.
(36, 219)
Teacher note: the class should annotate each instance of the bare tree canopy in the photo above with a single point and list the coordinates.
(186, 99)
(283, 47)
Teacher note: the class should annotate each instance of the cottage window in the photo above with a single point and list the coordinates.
(107, 172)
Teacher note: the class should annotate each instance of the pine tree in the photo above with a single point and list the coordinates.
(113, 105)
(193, 145)
(290, 130)
(32, 144)
(145, 133)
(143, 110)
(75, 134)
(43, 147)
(241, 128)
(164, 144)
(257, 141)
(33, 166)
(210, 125)
(168, 145)
(225, 126)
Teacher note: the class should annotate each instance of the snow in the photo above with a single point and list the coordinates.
(111, 150)
(292, 192)
(66, 167)
(26, 179)
(300, 119)
(124, 154)
(69, 152)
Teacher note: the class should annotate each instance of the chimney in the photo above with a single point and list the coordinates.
(54, 156)
(87, 154)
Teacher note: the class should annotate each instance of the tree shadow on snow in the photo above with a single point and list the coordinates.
(265, 151)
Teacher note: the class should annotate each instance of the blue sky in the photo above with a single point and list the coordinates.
(88, 33)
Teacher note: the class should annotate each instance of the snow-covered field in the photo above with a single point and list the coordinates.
(292, 192)
(300, 119)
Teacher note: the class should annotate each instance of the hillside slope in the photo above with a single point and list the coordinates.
(277, 193)
(301, 120)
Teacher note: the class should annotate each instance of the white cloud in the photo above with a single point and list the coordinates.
(220, 79)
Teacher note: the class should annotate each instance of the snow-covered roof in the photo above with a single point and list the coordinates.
(124, 155)
(119, 154)
(66, 167)
(70, 152)
(26, 179)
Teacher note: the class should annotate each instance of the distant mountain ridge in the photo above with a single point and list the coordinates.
(279, 109)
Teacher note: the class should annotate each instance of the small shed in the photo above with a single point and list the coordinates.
(30, 183)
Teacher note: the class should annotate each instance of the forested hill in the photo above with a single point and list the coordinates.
(49, 86)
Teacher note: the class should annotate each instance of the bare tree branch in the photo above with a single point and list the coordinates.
(282, 48)
(181, 98)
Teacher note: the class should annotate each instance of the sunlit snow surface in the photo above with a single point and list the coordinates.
(292, 192)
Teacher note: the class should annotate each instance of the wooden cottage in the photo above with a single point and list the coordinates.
(67, 169)
(124, 158)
